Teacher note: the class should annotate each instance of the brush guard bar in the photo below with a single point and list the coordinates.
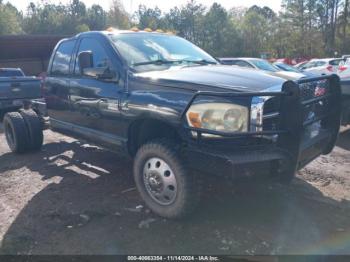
(292, 124)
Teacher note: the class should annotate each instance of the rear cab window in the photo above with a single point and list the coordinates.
(62, 58)
(11, 73)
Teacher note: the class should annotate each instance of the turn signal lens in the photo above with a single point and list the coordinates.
(194, 119)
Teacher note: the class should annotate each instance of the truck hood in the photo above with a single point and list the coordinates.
(214, 76)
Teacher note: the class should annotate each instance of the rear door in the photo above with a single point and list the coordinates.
(56, 88)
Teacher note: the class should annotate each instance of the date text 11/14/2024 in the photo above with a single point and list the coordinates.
(173, 258)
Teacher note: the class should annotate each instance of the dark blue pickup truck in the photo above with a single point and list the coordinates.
(16, 89)
(180, 114)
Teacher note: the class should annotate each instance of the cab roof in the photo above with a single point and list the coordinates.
(117, 31)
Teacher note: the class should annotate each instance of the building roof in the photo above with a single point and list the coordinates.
(27, 46)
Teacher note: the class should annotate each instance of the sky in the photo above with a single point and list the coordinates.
(132, 5)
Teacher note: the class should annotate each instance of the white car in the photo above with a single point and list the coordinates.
(261, 64)
(300, 65)
(325, 66)
(344, 69)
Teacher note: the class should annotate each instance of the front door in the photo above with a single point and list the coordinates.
(95, 102)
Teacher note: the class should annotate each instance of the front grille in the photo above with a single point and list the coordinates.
(314, 89)
(271, 114)
(272, 105)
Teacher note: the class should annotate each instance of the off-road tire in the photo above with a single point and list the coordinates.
(35, 129)
(16, 132)
(188, 184)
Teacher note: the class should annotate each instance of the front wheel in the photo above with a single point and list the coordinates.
(164, 183)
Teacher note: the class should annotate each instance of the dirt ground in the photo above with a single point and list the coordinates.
(73, 198)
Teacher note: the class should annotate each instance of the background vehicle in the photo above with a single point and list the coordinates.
(301, 64)
(322, 66)
(11, 72)
(261, 64)
(285, 67)
(179, 114)
(15, 88)
(344, 69)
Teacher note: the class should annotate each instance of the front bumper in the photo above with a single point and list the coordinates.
(293, 147)
(228, 162)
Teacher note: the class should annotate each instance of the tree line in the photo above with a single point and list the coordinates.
(303, 28)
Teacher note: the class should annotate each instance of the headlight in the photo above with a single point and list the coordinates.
(222, 117)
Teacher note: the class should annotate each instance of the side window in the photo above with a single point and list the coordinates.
(335, 62)
(61, 60)
(233, 62)
(320, 63)
(240, 63)
(100, 57)
(227, 62)
(243, 64)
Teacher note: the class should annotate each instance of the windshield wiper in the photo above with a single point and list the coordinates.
(163, 62)
(156, 62)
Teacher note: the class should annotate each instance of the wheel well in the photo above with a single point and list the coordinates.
(143, 131)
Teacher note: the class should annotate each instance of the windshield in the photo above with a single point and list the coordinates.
(286, 67)
(264, 65)
(140, 50)
(10, 73)
(314, 63)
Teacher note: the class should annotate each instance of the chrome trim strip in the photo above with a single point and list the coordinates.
(271, 115)
(257, 109)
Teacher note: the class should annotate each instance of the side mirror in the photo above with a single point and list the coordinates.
(85, 60)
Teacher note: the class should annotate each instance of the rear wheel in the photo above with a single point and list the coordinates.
(164, 183)
(16, 132)
(35, 129)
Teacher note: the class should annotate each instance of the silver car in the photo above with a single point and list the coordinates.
(261, 64)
